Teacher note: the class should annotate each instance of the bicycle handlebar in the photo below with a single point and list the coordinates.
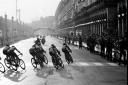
(20, 54)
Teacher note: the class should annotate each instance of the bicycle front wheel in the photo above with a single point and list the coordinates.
(22, 64)
(34, 63)
(61, 63)
(45, 60)
(7, 63)
(2, 68)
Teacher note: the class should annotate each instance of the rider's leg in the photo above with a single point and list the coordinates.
(16, 58)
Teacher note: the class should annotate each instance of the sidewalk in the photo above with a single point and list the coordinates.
(97, 47)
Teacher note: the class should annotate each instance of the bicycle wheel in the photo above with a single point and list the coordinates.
(33, 61)
(60, 63)
(2, 68)
(22, 64)
(70, 58)
(45, 60)
(7, 63)
(67, 60)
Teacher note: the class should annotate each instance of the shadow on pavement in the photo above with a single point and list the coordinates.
(44, 72)
(79, 69)
(14, 75)
(65, 73)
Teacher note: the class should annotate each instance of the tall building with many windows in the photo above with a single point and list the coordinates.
(92, 16)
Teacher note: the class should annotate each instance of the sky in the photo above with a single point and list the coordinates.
(31, 10)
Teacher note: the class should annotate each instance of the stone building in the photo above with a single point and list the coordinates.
(92, 16)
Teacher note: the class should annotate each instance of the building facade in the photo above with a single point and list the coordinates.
(12, 31)
(92, 16)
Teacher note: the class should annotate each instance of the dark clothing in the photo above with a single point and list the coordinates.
(53, 51)
(109, 46)
(91, 42)
(102, 44)
(123, 47)
(80, 43)
(32, 51)
(5, 50)
(43, 40)
(37, 52)
(66, 49)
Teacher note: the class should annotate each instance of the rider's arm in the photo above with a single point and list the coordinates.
(43, 50)
(69, 49)
(18, 50)
(58, 51)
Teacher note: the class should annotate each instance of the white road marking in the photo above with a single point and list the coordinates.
(82, 64)
(98, 64)
(112, 64)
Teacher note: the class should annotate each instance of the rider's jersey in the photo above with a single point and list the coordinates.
(53, 51)
(39, 48)
(32, 50)
(66, 49)
(12, 49)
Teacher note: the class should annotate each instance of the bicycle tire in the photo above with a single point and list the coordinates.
(7, 63)
(70, 58)
(45, 60)
(60, 63)
(33, 61)
(2, 67)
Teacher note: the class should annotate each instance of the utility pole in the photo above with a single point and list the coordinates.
(6, 31)
(16, 9)
(12, 31)
(16, 24)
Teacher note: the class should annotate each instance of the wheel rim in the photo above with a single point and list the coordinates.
(7, 63)
(22, 64)
(46, 60)
(33, 63)
(2, 68)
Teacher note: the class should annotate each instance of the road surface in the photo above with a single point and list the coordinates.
(87, 69)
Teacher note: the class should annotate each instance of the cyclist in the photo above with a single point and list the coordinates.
(67, 52)
(37, 40)
(36, 51)
(43, 40)
(53, 51)
(13, 54)
(10, 53)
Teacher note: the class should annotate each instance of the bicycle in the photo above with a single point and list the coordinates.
(15, 64)
(68, 58)
(39, 60)
(57, 62)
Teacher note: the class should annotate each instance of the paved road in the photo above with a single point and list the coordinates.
(87, 69)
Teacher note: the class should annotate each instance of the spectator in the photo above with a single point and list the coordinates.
(80, 41)
(102, 44)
